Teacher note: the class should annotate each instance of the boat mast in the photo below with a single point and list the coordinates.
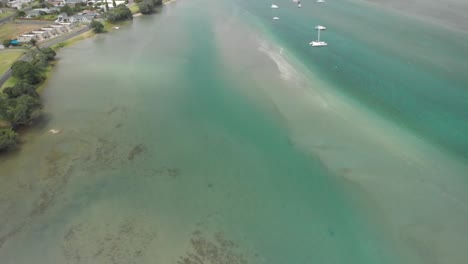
(318, 38)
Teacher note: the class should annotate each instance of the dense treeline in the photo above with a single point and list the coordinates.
(119, 13)
(148, 6)
(20, 104)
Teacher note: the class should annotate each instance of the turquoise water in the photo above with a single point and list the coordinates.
(221, 137)
(411, 72)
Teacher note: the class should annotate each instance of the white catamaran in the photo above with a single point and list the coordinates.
(318, 43)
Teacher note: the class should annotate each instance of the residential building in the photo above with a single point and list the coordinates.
(26, 37)
(52, 31)
(18, 4)
(62, 18)
(56, 3)
(83, 17)
(72, 3)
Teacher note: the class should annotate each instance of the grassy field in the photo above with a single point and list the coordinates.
(48, 17)
(12, 30)
(73, 40)
(7, 57)
(10, 82)
(6, 13)
(134, 8)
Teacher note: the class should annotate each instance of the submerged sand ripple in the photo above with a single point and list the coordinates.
(116, 242)
(56, 169)
(217, 250)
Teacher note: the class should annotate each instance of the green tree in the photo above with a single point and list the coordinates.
(114, 4)
(26, 71)
(33, 42)
(19, 89)
(121, 12)
(6, 43)
(23, 110)
(66, 9)
(8, 138)
(49, 53)
(21, 13)
(107, 6)
(97, 26)
(146, 7)
(79, 7)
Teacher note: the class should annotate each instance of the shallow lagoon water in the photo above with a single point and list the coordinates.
(213, 133)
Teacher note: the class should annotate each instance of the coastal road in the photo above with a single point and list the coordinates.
(7, 19)
(4, 77)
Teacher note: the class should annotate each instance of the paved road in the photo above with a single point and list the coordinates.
(10, 18)
(4, 77)
(7, 19)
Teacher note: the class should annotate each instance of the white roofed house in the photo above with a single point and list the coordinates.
(67, 27)
(52, 31)
(56, 3)
(83, 18)
(35, 13)
(62, 18)
(59, 29)
(25, 38)
(18, 4)
(72, 3)
(41, 35)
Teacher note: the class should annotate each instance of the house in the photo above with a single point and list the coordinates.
(59, 29)
(47, 10)
(52, 31)
(1, 45)
(26, 37)
(62, 18)
(67, 27)
(72, 3)
(57, 3)
(41, 34)
(18, 4)
(83, 17)
(34, 13)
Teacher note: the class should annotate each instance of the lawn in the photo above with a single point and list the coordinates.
(13, 30)
(50, 17)
(9, 83)
(134, 8)
(6, 13)
(7, 57)
(73, 40)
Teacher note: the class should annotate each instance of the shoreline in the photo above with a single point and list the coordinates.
(48, 71)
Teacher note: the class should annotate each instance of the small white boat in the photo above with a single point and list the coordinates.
(55, 131)
(319, 27)
(275, 18)
(116, 27)
(318, 43)
(274, 6)
(320, 1)
(299, 5)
